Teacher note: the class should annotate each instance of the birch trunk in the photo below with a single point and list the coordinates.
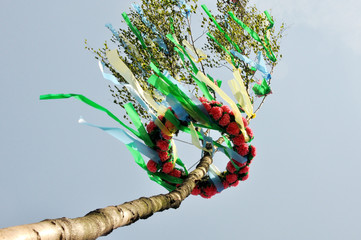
(101, 222)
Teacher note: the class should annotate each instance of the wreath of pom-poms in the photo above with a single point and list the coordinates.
(235, 171)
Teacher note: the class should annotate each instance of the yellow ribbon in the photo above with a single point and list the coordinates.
(240, 93)
(190, 51)
(124, 71)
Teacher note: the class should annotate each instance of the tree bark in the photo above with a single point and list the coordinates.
(101, 222)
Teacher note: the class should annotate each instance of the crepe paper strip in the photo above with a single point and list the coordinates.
(243, 58)
(262, 89)
(136, 148)
(125, 138)
(138, 124)
(213, 173)
(175, 152)
(107, 76)
(90, 103)
(115, 33)
(240, 93)
(186, 10)
(233, 155)
(172, 25)
(161, 44)
(177, 108)
(169, 178)
(193, 99)
(269, 19)
(150, 25)
(219, 83)
(255, 36)
(260, 65)
(203, 87)
(220, 28)
(194, 51)
(237, 113)
(186, 102)
(194, 136)
(174, 40)
(139, 99)
(223, 48)
(180, 163)
(124, 71)
(227, 141)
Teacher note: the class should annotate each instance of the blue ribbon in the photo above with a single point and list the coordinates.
(159, 40)
(260, 65)
(177, 108)
(107, 76)
(213, 176)
(187, 9)
(190, 95)
(128, 140)
(115, 33)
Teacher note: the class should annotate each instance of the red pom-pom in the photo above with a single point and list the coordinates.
(216, 112)
(151, 126)
(245, 123)
(167, 167)
(163, 145)
(230, 167)
(244, 170)
(176, 173)
(253, 151)
(242, 149)
(214, 102)
(226, 109)
(238, 140)
(210, 190)
(235, 184)
(204, 195)
(225, 184)
(233, 128)
(239, 164)
(231, 178)
(164, 156)
(196, 191)
(249, 132)
(225, 120)
(244, 178)
(160, 117)
(152, 166)
(207, 106)
(203, 99)
(165, 136)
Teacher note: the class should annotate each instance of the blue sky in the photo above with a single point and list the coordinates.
(304, 183)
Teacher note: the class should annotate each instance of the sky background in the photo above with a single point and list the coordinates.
(304, 183)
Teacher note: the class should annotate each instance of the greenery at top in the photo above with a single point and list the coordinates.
(162, 17)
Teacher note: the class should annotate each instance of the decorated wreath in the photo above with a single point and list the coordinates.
(181, 111)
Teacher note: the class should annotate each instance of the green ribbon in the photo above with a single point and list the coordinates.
(223, 48)
(139, 36)
(138, 124)
(153, 176)
(90, 103)
(262, 89)
(220, 28)
(203, 87)
(194, 67)
(255, 36)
